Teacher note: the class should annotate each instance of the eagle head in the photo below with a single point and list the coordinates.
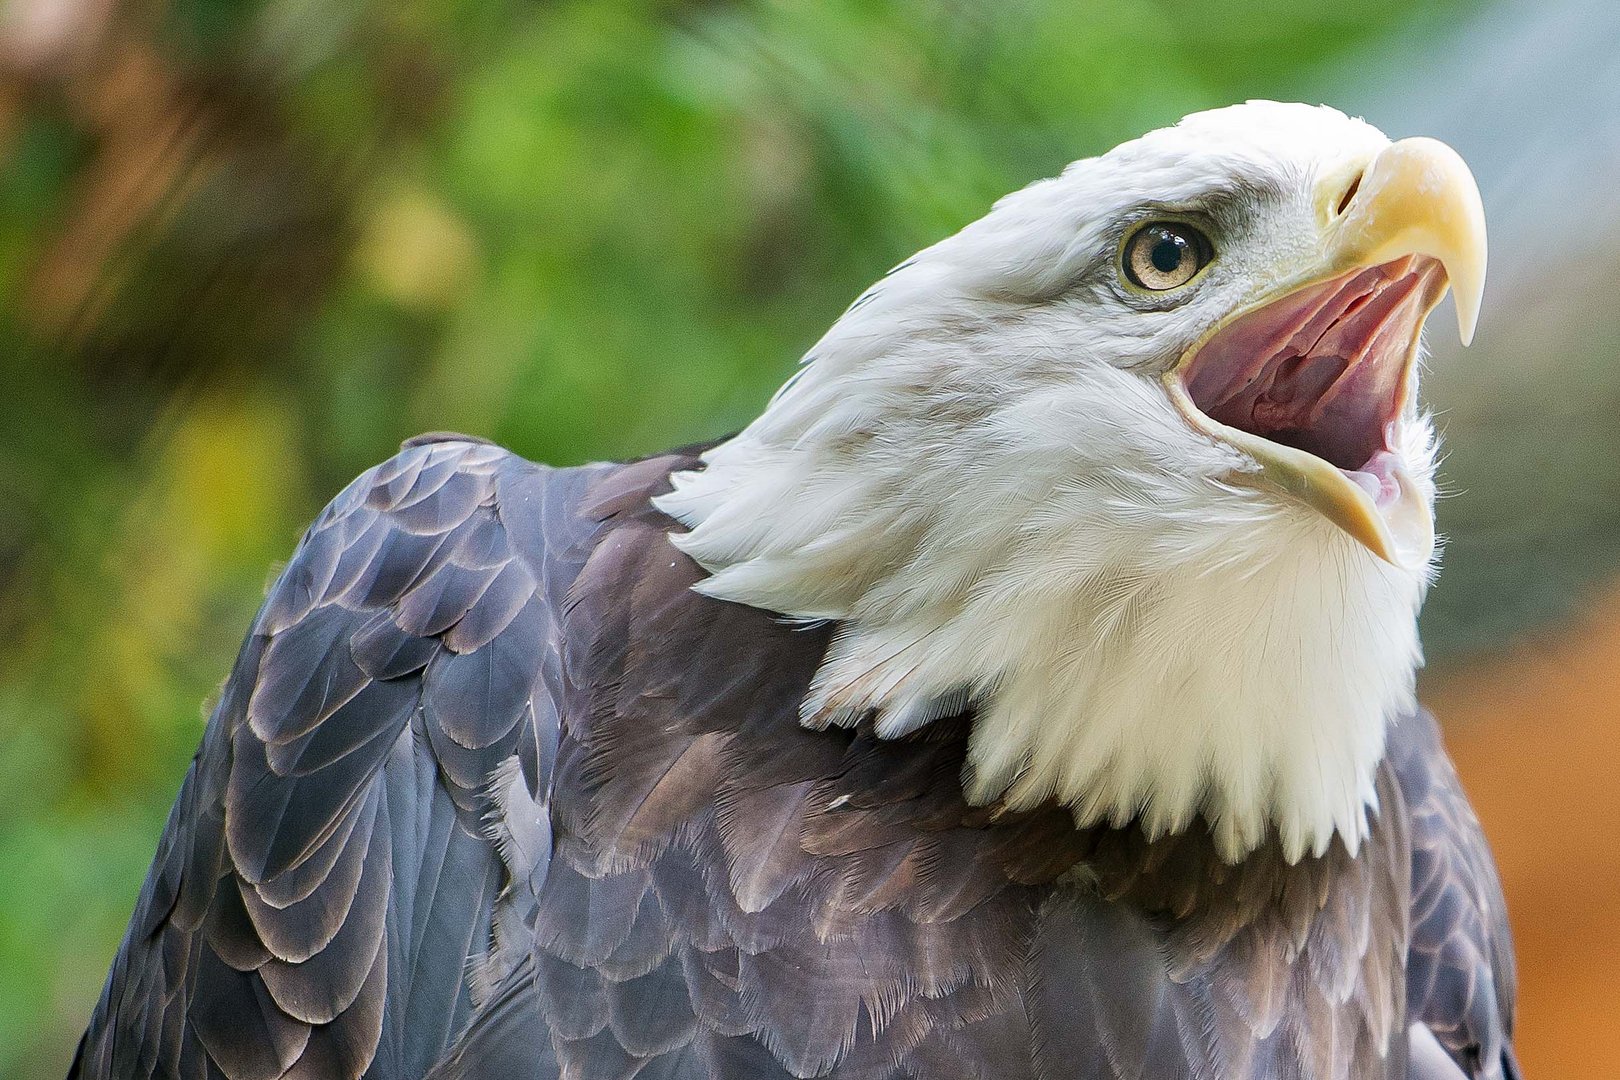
(1134, 468)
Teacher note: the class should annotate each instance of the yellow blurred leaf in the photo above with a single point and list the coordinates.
(416, 251)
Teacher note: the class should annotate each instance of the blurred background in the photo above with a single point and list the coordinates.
(247, 246)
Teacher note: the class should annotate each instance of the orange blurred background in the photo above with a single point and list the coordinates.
(1533, 733)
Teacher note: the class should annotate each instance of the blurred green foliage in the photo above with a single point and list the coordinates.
(246, 248)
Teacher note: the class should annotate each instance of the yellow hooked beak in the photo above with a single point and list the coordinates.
(1415, 198)
(1418, 198)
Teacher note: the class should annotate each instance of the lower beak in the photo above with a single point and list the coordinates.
(1401, 532)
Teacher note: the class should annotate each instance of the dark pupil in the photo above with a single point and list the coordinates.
(1167, 252)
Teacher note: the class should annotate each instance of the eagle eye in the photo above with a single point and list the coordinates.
(1164, 255)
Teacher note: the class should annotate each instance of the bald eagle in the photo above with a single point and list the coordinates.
(1027, 693)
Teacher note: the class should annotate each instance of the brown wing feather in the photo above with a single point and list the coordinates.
(1459, 972)
(324, 878)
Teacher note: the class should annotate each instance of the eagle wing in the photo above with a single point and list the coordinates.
(1460, 979)
(325, 883)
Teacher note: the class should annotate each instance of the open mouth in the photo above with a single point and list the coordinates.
(1326, 369)
(1313, 387)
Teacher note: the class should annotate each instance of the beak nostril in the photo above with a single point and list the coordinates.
(1349, 195)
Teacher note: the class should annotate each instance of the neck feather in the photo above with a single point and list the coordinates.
(1138, 637)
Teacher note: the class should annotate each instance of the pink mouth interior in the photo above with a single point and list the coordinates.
(1323, 369)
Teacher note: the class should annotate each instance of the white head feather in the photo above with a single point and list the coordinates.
(979, 474)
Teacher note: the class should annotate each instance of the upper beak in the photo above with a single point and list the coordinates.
(1416, 197)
